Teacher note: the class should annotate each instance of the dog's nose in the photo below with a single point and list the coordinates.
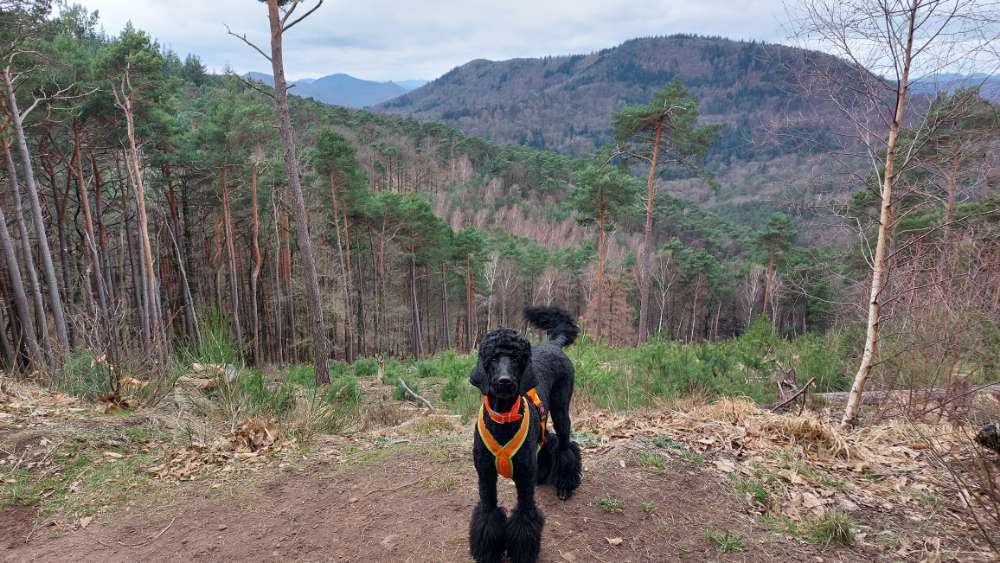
(505, 383)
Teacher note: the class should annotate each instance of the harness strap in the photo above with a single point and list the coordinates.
(502, 417)
(503, 454)
(542, 412)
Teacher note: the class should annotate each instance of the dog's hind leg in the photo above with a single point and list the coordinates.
(524, 529)
(546, 457)
(486, 530)
(567, 465)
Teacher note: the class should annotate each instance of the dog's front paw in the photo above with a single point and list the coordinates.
(524, 534)
(487, 535)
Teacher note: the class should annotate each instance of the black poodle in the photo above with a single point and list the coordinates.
(521, 386)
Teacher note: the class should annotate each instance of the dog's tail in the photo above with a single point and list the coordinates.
(556, 322)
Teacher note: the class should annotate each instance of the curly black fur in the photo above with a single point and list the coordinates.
(487, 533)
(556, 322)
(508, 367)
(989, 436)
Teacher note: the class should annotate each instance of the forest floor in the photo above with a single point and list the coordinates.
(723, 482)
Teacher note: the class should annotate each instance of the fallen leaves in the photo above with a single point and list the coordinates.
(615, 541)
(253, 439)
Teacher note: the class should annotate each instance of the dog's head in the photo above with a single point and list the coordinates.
(504, 366)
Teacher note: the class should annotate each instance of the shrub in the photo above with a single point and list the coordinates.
(365, 367)
(84, 375)
(216, 343)
(303, 375)
(261, 397)
(343, 390)
(831, 527)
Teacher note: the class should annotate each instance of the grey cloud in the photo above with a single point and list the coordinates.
(386, 39)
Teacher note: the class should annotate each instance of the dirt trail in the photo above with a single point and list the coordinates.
(411, 501)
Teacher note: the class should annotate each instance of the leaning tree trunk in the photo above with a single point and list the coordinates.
(55, 297)
(20, 299)
(89, 233)
(870, 355)
(645, 262)
(27, 255)
(320, 350)
(174, 224)
(152, 302)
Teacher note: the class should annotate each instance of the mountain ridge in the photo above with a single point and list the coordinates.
(341, 89)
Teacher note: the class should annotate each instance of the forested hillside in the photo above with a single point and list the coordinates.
(427, 237)
(152, 194)
(780, 147)
(231, 316)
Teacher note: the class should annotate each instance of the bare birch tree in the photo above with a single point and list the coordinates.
(890, 44)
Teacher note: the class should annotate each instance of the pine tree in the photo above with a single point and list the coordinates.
(662, 132)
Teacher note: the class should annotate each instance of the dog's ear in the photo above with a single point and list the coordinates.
(528, 379)
(480, 379)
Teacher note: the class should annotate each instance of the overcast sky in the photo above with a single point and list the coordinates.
(398, 40)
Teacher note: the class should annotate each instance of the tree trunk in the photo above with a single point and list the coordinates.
(602, 251)
(89, 234)
(645, 262)
(344, 277)
(55, 297)
(227, 225)
(354, 312)
(311, 280)
(27, 255)
(468, 302)
(138, 281)
(179, 247)
(444, 306)
(870, 355)
(257, 262)
(20, 299)
(416, 334)
(152, 301)
(769, 282)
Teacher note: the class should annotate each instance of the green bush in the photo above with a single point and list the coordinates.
(261, 396)
(84, 376)
(216, 343)
(343, 390)
(303, 375)
(821, 357)
(365, 367)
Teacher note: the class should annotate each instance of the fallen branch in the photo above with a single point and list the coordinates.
(874, 397)
(142, 543)
(797, 394)
(411, 393)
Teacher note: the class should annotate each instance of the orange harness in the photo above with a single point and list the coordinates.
(503, 454)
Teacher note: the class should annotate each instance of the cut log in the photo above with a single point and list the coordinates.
(876, 397)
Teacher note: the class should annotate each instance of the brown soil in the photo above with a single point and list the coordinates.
(411, 502)
(405, 493)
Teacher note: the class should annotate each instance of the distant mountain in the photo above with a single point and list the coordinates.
(777, 150)
(989, 86)
(410, 84)
(565, 103)
(339, 89)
